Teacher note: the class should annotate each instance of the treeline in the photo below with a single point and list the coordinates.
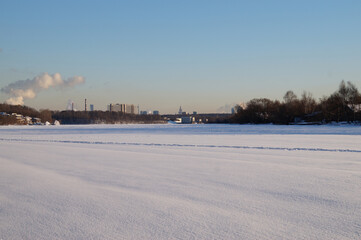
(74, 117)
(342, 105)
(44, 115)
(96, 117)
(8, 120)
(24, 110)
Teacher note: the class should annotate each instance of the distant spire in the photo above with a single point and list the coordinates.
(180, 110)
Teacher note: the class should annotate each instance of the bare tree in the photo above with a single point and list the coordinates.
(349, 95)
(308, 102)
(289, 97)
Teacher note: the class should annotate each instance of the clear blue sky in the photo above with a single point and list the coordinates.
(163, 54)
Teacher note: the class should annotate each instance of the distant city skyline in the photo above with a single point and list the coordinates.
(205, 56)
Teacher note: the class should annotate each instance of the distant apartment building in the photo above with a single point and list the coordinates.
(155, 112)
(91, 107)
(130, 109)
(124, 108)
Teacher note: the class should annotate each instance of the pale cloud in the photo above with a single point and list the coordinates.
(28, 89)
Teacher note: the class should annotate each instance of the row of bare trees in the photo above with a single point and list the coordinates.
(342, 105)
(93, 117)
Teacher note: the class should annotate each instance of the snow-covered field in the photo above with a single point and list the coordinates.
(180, 182)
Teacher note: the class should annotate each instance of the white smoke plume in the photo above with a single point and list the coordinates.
(227, 108)
(70, 106)
(28, 89)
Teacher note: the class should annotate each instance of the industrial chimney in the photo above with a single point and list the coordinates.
(85, 104)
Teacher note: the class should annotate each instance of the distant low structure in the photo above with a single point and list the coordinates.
(199, 118)
(185, 120)
(188, 120)
(149, 112)
(37, 121)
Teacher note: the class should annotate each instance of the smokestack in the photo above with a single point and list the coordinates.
(72, 106)
(85, 104)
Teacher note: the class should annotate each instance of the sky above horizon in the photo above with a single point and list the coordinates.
(204, 55)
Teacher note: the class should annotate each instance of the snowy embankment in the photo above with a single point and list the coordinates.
(180, 182)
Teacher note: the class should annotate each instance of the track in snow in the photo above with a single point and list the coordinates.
(185, 145)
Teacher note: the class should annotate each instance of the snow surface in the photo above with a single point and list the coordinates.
(180, 182)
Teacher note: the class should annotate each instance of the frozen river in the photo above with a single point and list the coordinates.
(180, 182)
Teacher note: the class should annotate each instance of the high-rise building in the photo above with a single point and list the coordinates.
(124, 108)
(129, 108)
(91, 107)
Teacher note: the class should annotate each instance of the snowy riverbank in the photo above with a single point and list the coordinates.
(180, 182)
